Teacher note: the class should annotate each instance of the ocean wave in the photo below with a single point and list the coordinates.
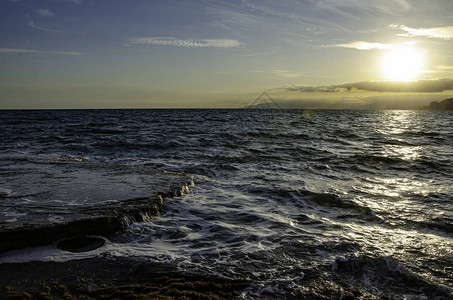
(422, 163)
(420, 133)
(435, 224)
(115, 145)
(304, 207)
(319, 203)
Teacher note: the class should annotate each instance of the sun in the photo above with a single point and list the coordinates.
(402, 64)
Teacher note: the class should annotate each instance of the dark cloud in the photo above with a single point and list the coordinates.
(421, 86)
(312, 89)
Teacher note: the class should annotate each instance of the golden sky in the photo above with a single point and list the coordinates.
(223, 54)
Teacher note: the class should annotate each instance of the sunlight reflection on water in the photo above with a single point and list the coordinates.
(280, 195)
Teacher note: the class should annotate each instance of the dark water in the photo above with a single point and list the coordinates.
(300, 202)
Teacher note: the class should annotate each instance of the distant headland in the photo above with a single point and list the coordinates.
(446, 104)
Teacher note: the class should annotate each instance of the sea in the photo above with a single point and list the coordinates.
(298, 202)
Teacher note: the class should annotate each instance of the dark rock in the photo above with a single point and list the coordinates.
(446, 104)
(102, 220)
(434, 105)
(112, 278)
(81, 244)
(45, 235)
(129, 194)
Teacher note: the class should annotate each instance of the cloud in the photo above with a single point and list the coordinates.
(188, 43)
(47, 29)
(312, 89)
(445, 33)
(361, 45)
(31, 51)
(286, 74)
(421, 86)
(44, 12)
(292, 20)
(444, 68)
(73, 1)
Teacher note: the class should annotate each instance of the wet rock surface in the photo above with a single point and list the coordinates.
(81, 244)
(71, 199)
(111, 279)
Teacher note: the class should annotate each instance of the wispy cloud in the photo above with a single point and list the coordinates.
(44, 12)
(31, 51)
(444, 68)
(73, 1)
(187, 43)
(296, 18)
(387, 7)
(445, 33)
(287, 74)
(47, 29)
(361, 45)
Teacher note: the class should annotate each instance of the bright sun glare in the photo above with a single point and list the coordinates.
(402, 64)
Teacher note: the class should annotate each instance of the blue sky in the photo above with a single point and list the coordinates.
(153, 54)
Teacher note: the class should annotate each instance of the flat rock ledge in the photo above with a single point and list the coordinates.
(102, 220)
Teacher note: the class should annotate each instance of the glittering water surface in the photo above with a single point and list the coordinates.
(362, 197)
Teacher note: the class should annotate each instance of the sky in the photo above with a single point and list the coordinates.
(366, 54)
